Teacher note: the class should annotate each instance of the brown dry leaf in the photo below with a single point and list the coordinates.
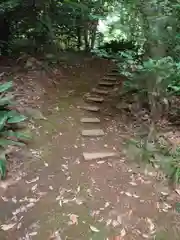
(74, 219)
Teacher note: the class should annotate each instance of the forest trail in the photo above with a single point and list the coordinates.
(64, 192)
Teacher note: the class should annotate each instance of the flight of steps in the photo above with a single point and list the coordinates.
(98, 95)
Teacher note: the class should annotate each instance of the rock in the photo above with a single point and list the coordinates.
(100, 91)
(106, 83)
(91, 108)
(93, 133)
(98, 155)
(90, 120)
(95, 99)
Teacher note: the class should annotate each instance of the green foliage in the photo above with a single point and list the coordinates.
(2, 166)
(9, 134)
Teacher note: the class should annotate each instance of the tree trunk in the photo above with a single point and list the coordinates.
(86, 40)
(5, 35)
(79, 42)
(93, 35)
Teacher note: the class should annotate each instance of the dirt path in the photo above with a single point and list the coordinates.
(58, 191)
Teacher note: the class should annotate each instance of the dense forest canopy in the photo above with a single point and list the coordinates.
(82, 25)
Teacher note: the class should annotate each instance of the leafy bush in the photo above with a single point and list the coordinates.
(9, 120)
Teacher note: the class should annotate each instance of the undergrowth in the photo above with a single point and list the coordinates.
(154, 81)
(10, 133)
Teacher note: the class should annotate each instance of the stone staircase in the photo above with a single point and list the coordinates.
(98, 95)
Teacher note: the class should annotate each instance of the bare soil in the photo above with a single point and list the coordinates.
(51, 190)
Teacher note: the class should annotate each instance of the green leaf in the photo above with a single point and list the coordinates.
(17, 119)
(3, 168)
(6, 100)
(6, 86)
(5, 143)
(19, 135)
(177, 207)
(3, 119)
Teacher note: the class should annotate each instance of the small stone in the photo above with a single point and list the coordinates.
(90, 120)
(106, 83)
(91, 108)
(95, 99)
(100, 91)
(98, 155)
(93, 133)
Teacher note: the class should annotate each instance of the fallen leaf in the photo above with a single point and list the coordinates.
(128, 194)
(33, 234)
(33, 180)
(34, 187)
(30, 205)
(133, 183)
(78, 189)
(5, 199)
(151, 225)
(117, 238)
(51, 187)
(6, 227)
(177, 191)
(145, 236)
(46, 164)
(56, 236)
(123, 232)
(93, 229)
(74, 219)
(19, 226)
(115, 223)
(108, 222)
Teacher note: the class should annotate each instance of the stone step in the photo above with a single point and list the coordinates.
(106, 83)
(113, 74)
(90, 120)
(98, 155)
(110, 78)
(92, 133)
(95, 99)
(115, 70)
(91, 108)
(100, 91)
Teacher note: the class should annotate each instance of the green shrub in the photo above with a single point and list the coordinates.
(9, 128)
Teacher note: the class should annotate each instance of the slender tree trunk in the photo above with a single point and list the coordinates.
(79, 42)
(86, 40)
(4, 36)
(93, 35)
